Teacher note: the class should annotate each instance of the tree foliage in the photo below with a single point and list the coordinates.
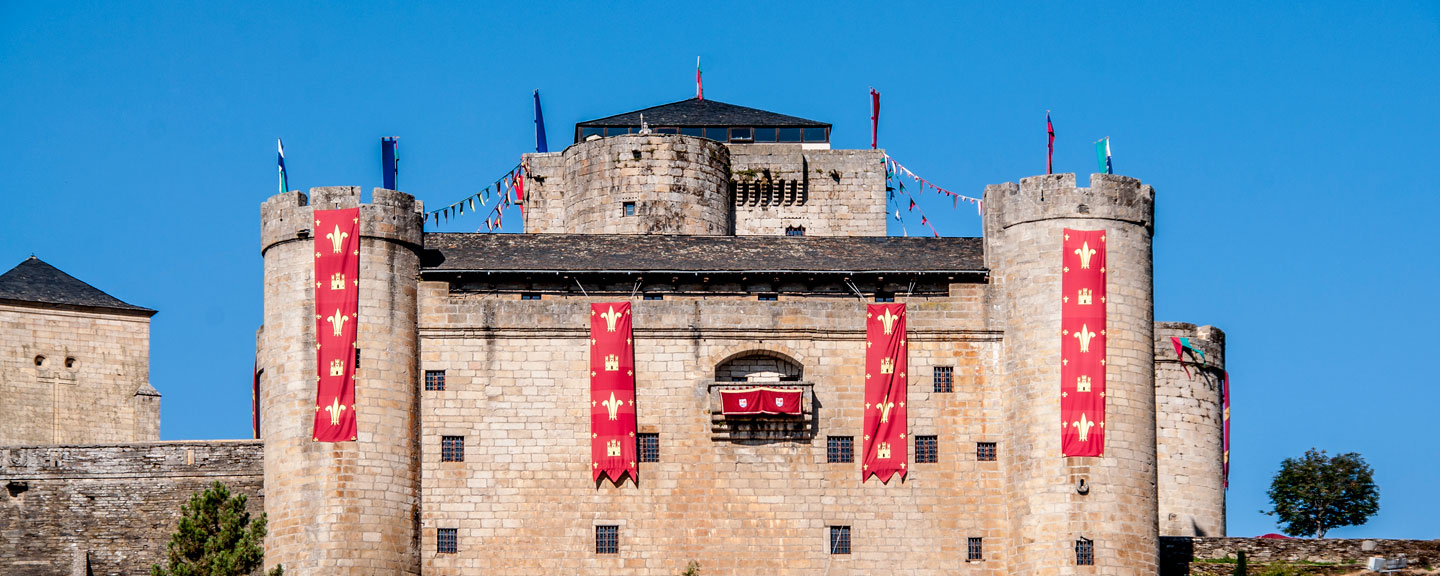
(216, 537)
(1316, 493)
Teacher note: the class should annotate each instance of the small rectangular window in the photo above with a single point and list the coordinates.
(839, 539)
(741, 135)
(452, 448)
(944, 379)
(764, 134)
(607, 539)
(529, 295)
(973, 550)
(927, 450)
(839, 449)
(769, 297)
(1085, 552)
(447, 540)
(628, 209)
(789, 134)
(794, 230)
(357, 358)
(649, 444)
(434, 380)
(985, 451)
(716, 134)
(884, 296)
(815, 135)
(653, 297)
(692, 131)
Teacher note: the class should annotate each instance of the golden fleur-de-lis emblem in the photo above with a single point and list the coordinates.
(337, 238)
(1084, 335)
(885, 406)
(335, 408)
(612, 363)
(613, 406)
(1083, 425)
(337, 321)
(1085, 253)
(611, 317)
(1085, 296)
(888, 321)
(887, 366)
(883, 451)
(612, 448)
(1082, 384)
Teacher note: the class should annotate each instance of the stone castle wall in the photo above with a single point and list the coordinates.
(61, 371)
(1189, 432)
(827, 192)
(111, 507)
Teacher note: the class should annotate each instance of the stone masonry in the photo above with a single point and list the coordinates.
(1189, 432)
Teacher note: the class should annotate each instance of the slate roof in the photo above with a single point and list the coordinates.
(657, 253)
(695, 112)
(35, 281)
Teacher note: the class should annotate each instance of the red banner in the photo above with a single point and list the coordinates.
(885, 383)
(762, 400)
(337, 306)
(1225, 396)
(1082, 344)
(612, 392)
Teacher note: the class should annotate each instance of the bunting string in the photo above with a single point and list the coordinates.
(895, 170)
(511, 184)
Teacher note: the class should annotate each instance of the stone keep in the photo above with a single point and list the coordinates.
(1189, 412)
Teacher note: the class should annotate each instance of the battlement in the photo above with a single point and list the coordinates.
(1050, 196)
(1208, 339)
(390, 215)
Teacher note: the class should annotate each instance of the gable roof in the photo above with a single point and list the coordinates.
(35, 281)
(694, 112)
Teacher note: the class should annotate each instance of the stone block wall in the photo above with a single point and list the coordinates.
(1198, 556)
(111, 507)
(1189, 431)
(827, 192)
(63, 370)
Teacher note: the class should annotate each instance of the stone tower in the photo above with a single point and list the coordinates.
(1190, 445)
(347, 507)
(1048, 511)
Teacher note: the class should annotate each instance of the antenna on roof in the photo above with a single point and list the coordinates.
(644, 128)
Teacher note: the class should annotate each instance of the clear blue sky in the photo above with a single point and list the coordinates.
(1283, 142)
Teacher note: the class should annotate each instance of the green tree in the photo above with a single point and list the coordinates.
(1315, 493)
(216, 537)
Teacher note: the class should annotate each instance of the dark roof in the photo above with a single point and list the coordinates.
(631, 253)
(695, 112)
(35, 281)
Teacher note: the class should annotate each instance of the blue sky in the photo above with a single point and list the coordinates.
(1283, 142)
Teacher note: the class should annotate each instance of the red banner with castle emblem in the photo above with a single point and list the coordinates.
(612, 393)
(337, 307)
(1082, 343)
(885, 383)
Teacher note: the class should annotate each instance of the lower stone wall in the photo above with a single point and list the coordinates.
(112, 507)
(1181, 556)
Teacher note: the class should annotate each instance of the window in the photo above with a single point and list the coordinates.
(618, 131)
(769, 297)
(69, 362)
(649, 446)
(452, 448)
(671, 130)
(653, 297)
(692, 131)
(529, 295)
(973, 550)
(794, 230)
(985, 451)
(39, 360)
(884, 296)
(607, 539)
(815, 135)
(445, 540)
(927, 450)
(944, 379)
(434, 379)
(628, 209)
(764, 134)
(357, 358)
(588, 132)
(839, 539)
(1085, 552)
(839, 449)
(716, 134)
(789, 134)
(741, 135)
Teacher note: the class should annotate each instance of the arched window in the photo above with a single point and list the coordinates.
(759, 366)
(794, 230)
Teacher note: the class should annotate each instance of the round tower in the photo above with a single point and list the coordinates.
(1050, 511)
(346, 507)
(648, 184)
(1189, 430)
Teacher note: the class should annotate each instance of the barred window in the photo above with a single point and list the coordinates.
(944, 378)
(926, 450)
(1085, 552)
(607, 539)
(794, 230)
(446, 541)
(529, 295)
(974, 551)
(839, 539)
(839, 449)
(649, 446)
(452, 448)
(985, 451)
(653, 297)
(884, 296)
(434, 379)
(357, 358)
(628, 209)
(769, 297)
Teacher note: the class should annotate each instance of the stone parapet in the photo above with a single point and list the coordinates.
(391, 215)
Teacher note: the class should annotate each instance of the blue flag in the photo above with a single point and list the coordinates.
(540, 145)
(1102, 155)
(389, 161)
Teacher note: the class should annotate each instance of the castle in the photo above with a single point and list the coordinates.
(749, 252)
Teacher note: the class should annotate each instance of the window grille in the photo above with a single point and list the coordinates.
(985, 451)
(446, 541)
(1085, 552)
(628, 209)
(434, 380)
(839, 539)
(840, 449)
(794, 230)
(944, 379)
(452, 448)
(607, 539)
(649, 446)
(973, 550)
(926, 450)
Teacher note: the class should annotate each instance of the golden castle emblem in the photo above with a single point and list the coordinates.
(337, 367)
(1085, 297)
(887, 366)
(337, 281)
(612, 363)
(612, 448)
(1082, 384)
(883, 451)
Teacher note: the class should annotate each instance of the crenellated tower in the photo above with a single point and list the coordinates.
(347, 507)
(1050, 510)
(1190, 430)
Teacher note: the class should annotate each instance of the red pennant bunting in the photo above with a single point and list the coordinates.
(337, 306)
(885, 365)
(1082, 343)
(612, 392)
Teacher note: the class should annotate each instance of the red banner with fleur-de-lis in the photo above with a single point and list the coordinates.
(885, 366)
(1082, 343)
(337, 308)
(612, 393)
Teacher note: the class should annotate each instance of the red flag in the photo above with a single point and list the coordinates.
(760, 400)
(699, 88)
(255, 402)
(1226, 458)
(874, 118)
(1082, 343)
(612, 393)
(885, 383)
(1050, 148)
(337, 307)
